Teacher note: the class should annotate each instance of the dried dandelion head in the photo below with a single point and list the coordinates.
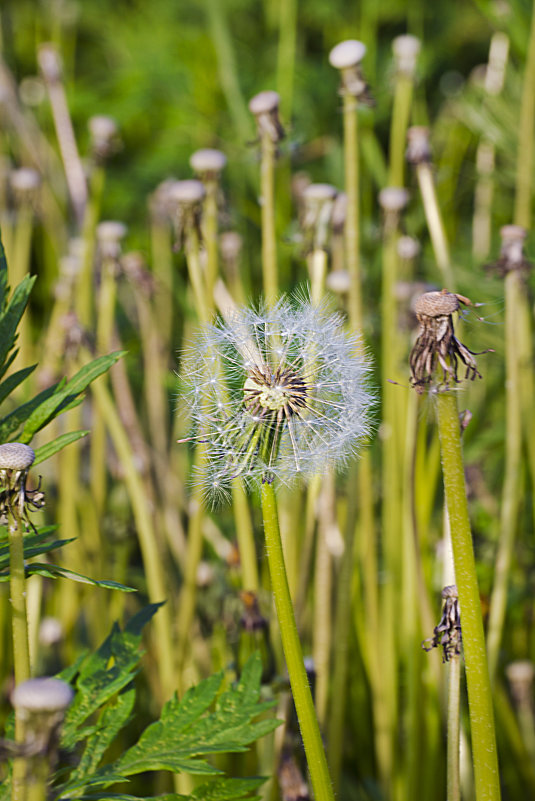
(275, 393)
(447, 634)
(16, 459)
(436, 343)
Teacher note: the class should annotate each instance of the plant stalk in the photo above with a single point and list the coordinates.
(304, 705)
(477, 674)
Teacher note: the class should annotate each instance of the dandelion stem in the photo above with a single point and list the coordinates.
(267, 191)
(454, 729)
(352, 226)
(477, 675)
(317, 762)
(19, 622)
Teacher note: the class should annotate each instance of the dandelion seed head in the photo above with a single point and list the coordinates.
(275, 393)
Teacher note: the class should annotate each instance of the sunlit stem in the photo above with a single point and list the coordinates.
(306, 714)
(477, 675)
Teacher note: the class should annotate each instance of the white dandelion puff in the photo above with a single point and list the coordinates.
(286, 395)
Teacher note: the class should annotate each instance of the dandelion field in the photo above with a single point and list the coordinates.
(272, 384)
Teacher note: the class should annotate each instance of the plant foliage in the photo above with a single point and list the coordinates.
(214, 717)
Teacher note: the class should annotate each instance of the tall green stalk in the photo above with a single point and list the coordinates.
(477, 674)
(315, 754)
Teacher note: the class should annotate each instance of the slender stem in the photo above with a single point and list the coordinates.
(435, 224)
(512, 488)
(152, 561)
(269, 242)
(352, 225)
(19, 623)
(477, 675)
(398, 129)
(525, 153)
(245, 536)
(304, 705)
(454, 729)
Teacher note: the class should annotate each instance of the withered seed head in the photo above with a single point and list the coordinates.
(436, 341)
(447, 634)
(418, 148)
(16, 456)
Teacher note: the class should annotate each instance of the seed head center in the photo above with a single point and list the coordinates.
(265, 390)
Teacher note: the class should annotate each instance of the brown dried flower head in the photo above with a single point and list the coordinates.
(447, 634)
(436, 343)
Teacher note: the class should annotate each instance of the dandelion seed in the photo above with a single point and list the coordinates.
(287, 395)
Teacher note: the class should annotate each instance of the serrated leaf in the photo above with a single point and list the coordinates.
(12, 382)
(104, 673)
(111, 720)
(10, 319)
(68, 393)
(187, 732)
(227, 789)
(48, 450)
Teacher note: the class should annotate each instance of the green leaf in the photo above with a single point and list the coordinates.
(104, 673)
(13, 421)
(187, 731)
(111, 720)
(3, 275)
(227, 789)
(57, 571)
(48, 450)
(65, 395)
(10, 319)
(12, 382)
(34, 545)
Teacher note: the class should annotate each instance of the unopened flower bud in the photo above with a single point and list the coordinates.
(104, 135)
(418, 148)
(265, 107)
(16, 456)
(406, 50)
(346, 57)
(49, 62)
(208, 163)
(41, 695)
(109, 236)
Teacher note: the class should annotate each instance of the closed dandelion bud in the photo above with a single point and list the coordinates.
(512, 256)
(25, 182)
(318, 203)
(16, 456)
(208, 163)
(43, 695)
(436, 343)
(49, 62)
(265, 107)
(392, 200)
(40, 706)
(185, 199)
(104, 134)
(406, 50)
(408, 248)
(346, 57)
(109, 237)
(338, 281)
(520, 676)
(418, 147)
